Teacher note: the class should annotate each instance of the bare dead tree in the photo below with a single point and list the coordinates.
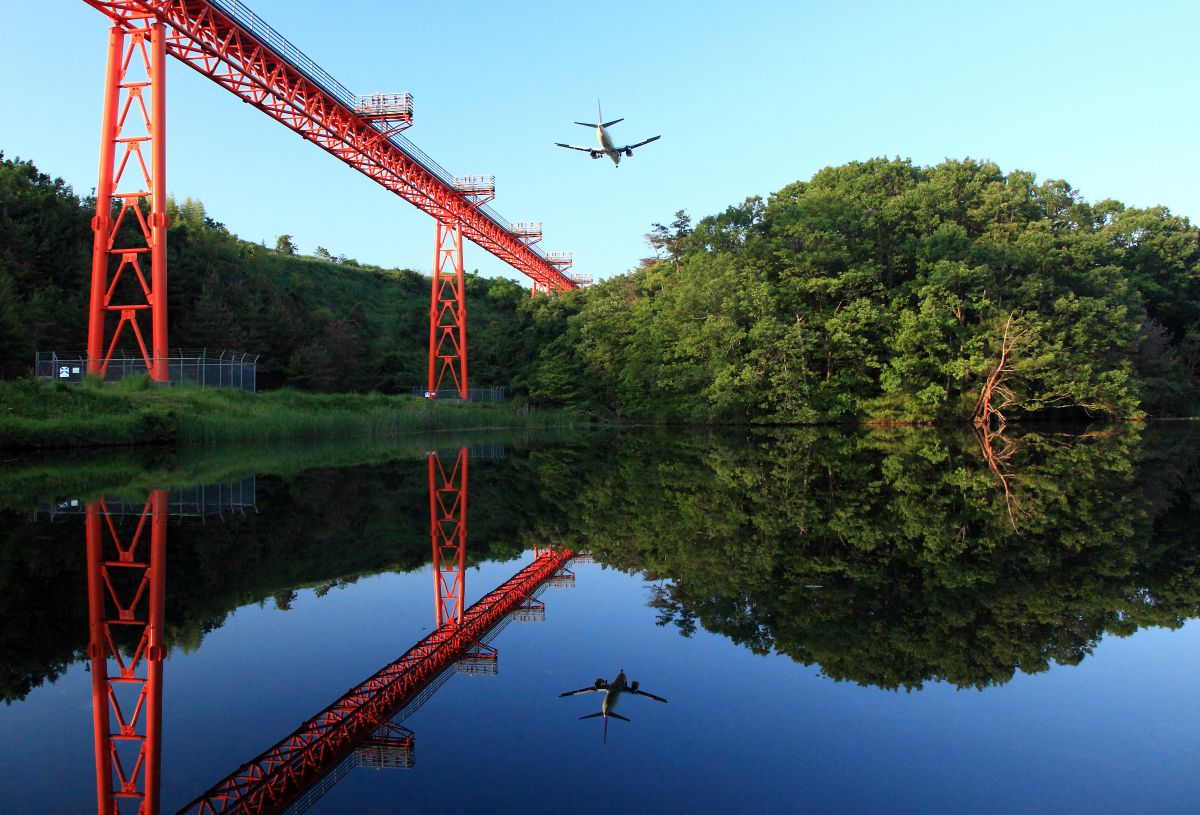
(995, 395)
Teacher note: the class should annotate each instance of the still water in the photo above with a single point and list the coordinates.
(893, 621)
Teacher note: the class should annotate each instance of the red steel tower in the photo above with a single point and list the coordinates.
(134, 125)
(229, 44)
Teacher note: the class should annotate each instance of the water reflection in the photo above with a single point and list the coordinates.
(612, 694)
(890, 559)
(126, 599)
(126, 573)
(126, 576)
(899, 557)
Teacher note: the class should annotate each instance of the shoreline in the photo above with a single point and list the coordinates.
(37, 417)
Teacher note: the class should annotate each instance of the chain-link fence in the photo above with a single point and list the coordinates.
(207, 501)
(227, 370)
(451, 394)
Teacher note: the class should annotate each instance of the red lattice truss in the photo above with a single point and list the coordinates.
(207, 40)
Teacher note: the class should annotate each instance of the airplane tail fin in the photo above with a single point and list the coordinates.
(599, 119)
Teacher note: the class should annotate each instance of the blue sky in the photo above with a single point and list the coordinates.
(748, 97)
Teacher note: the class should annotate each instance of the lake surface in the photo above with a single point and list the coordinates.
(892, 621)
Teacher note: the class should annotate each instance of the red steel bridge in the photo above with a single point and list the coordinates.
(126, 601)
(229, 44)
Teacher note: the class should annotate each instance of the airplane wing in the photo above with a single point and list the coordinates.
(576, 147)
(588, 689)
(647, 693)
(639, 144)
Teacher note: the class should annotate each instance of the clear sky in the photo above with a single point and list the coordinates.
(748, 96)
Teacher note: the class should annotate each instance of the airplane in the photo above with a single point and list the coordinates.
(612, 693)
(606, 143)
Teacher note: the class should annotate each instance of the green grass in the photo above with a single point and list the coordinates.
(35, 416)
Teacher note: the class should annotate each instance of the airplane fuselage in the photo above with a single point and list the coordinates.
(619, 684)
(606, 144)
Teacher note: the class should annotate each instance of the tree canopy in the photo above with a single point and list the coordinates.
(876, 291)
(885, 291)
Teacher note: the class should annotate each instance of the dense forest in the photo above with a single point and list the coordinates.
(319, 323)
(882, 290)
(879, 290)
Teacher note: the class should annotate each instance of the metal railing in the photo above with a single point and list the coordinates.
(241, 14)
(281, 46)
(384, 105)
(228, 370)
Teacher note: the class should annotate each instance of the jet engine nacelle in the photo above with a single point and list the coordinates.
(600, 682)
(594, 154)
(629, 153)
(633, 685)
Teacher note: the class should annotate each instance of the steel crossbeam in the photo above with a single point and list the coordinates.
(270, 781)
(204, 37)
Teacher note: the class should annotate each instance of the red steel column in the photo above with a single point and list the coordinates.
(158, 200)
(448, 312)
(448, 534)
(98, 653)
(155, 650)
(102, 223)
(125, 289)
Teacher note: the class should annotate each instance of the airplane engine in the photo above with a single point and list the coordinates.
(594, 154)
(599, 683)
(633, 685)
(629, 153)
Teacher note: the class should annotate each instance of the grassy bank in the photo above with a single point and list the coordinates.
(33, 415)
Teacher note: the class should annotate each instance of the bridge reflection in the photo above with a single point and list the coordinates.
(127, 549)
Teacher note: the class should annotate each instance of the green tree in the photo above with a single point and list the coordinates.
(284, 245)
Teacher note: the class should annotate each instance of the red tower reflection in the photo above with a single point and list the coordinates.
(448, 533)
(125, 610)
(126, 551)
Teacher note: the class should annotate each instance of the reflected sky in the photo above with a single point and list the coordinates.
(1117, 732)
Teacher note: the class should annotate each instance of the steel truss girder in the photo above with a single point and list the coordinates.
(126, 593)
(272, 779)
(208, 41)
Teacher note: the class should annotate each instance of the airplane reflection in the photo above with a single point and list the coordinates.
(612, 694)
